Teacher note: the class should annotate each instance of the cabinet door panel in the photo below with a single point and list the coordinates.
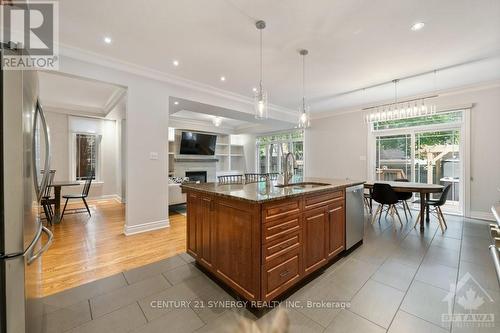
(237, 248)
(192, 216)
(336, 228)
(205, 227)
(314, 239)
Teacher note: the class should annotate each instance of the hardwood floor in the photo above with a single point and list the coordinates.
(89, 248)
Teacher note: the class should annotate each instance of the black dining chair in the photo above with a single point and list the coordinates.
(434, 207)
(83, 196)
(273, 175)
(404, 197)
(255, 177)
(230, 179)
(385, 195)
(46, 201)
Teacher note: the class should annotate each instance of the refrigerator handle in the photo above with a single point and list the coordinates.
(48, 155)
(32, 257)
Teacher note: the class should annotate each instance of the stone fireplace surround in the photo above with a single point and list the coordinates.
(183, 165)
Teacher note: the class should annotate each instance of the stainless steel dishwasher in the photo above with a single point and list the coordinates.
(355, 216)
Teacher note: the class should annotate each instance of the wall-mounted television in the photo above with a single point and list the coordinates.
(193, 143)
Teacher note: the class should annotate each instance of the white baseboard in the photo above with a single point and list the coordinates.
(145, 227)
(488, 216)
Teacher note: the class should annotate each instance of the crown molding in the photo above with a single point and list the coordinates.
(445, 92)
(117, 64)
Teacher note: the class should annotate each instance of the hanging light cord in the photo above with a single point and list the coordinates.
(303, 83)
(261, 62)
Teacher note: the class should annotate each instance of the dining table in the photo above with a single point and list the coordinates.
(423, 189)
(57, 185)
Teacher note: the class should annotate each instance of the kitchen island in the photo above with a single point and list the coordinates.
(262, 239)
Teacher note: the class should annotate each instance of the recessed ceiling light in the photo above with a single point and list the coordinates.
(223, 78)
(175, 63)
(417, 26)
(107, 40)
(254, 89)
(217, 121)
(176, 103)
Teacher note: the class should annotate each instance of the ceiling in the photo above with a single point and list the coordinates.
(75, 95)
(352, 43)
(188, 113)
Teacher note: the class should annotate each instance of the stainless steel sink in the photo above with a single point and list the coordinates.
(304, 185)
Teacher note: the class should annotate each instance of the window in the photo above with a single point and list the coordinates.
(272, 148)
(426, 149)
(86, 155)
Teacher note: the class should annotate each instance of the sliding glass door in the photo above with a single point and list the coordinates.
(428, 152)
(272, 148)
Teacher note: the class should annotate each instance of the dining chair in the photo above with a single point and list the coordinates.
(230, 179)
(255, 177)
(83, 196)
(434, 207)
(366, 199)
(46, 201)
(385, 195)
(273, 175)
(404, 197)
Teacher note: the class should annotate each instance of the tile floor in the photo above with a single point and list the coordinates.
(398, 281)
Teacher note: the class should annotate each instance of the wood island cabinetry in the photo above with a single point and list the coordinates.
(261, 249)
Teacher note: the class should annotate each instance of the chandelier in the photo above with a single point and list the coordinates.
(417, 107)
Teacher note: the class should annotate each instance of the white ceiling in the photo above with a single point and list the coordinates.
(352, 43)
(69, 94)
(186, 112)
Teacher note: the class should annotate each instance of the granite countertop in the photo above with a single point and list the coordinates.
(259, 192)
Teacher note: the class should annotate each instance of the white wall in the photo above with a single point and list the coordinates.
(106, 185)
(336, 145)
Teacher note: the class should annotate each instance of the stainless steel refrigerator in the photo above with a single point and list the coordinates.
(25, 153)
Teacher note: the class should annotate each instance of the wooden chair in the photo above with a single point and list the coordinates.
(434, 207)
(46, 200)
(255, 177)
(273, 175)
(82, 196)
(230, 179)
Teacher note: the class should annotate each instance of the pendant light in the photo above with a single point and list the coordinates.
(260, 97)
(304, 118)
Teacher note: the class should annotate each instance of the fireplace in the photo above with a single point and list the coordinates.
(200, 176)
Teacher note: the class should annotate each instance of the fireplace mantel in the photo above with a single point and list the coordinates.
(196, 160)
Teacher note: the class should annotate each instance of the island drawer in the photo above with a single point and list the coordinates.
(280, 228)
(277, 278)
(281, 246)
(280, 209)
(318, 200)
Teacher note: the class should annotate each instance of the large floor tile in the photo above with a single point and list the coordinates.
(118, 298)
(178, 321)
(147, 271)
(446, 243)
(437, 275)
(407, 323)
(426, 302)
(182, 273)
(298, 323)
(353, 274)
(442, 256)
(395, 274)
(484, 275)
(347, 322)
(377, 303)
(480, 256)
(65, 319)
(186, 257)
(122, 320)
(84, 292)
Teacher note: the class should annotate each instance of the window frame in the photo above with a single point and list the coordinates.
(73, 151)
(288, 140)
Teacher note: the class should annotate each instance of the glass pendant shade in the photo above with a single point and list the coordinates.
(305, 117)
(260, 104)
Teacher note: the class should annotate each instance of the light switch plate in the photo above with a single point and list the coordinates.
(153, 155)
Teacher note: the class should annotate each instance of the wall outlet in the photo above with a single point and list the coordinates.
(153, 155)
